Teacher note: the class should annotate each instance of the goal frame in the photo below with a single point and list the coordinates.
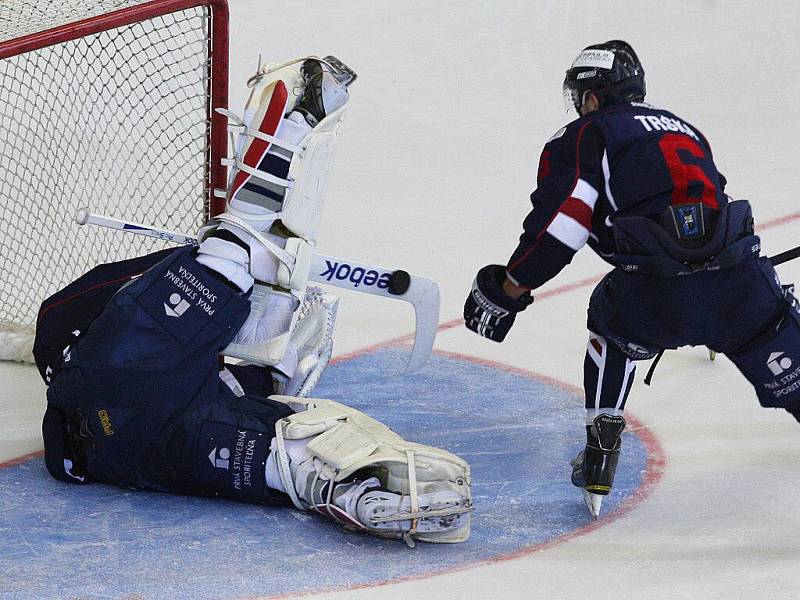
(17, 336)
(218, 52)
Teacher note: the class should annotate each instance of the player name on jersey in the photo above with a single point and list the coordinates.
(664, 123)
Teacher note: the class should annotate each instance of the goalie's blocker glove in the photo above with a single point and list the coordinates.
(489, 311)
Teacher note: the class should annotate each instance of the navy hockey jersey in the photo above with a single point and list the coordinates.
(624, 160)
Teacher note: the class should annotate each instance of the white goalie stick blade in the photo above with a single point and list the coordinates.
(593, 503)
(422, 293)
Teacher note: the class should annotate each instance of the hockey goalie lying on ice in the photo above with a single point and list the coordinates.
(130, 351)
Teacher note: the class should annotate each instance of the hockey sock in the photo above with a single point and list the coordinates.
(607, 378)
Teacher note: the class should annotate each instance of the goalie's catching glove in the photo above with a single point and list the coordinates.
(489, 311)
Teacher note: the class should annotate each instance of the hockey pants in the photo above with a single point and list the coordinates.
(139, 389)
(742, 312)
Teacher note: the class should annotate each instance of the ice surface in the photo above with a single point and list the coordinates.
(57, 537)
(438, 156)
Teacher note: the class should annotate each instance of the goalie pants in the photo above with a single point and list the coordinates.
(742, 312)
(137, 400)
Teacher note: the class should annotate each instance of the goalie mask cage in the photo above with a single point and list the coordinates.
(104, 104)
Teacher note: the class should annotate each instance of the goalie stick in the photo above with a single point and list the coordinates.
(421, 292)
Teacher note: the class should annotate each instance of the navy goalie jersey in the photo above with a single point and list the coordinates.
(624, 160)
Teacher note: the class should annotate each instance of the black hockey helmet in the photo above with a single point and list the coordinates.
(611, 70)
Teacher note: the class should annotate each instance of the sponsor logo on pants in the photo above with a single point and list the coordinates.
(179, 306)
(221, 459)
(778, 362)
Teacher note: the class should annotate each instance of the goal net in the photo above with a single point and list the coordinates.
(106, 105)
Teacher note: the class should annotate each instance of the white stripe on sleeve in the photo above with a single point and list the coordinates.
(586, 193)
(568, 231)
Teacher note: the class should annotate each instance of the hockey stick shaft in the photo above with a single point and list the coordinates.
(422, 293)
(84, 217)
(785, 256)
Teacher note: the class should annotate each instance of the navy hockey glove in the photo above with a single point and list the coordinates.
(489, 311)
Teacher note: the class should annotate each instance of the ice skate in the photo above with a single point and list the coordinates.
(326, 83)
(594, 467)
(380, 510)
(366, 505)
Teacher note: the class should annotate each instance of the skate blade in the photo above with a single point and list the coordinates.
(340, 71)
(593, 503)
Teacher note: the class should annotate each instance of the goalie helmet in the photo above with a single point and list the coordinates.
(611, 70)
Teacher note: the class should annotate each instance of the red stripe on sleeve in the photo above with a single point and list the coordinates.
(579, 211)
(540, 237)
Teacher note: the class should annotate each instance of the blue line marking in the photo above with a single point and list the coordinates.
(518, 434)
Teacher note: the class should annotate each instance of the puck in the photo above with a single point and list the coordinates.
(399, 282)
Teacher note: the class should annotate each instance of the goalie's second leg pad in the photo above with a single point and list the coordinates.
(282, 159)
(410, 491)
(265, 111)
(257, 186)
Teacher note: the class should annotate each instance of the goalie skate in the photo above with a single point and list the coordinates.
(438, 512)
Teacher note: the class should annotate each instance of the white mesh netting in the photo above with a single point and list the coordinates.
(22, 17)
(116, 122)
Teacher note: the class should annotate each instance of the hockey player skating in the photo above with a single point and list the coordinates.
(639, 184)
(131, 351)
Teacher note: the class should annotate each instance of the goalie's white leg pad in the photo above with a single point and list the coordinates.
(309, 171)
(278, 174)
(261, 178)
(432, 485)
(264, 112)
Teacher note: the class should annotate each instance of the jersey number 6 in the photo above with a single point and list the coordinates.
(686, 174)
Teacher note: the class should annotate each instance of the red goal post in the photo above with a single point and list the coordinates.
(109, 105)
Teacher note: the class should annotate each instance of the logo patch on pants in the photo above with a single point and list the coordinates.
(778, 362)
(177, 306)
(232, 460)
(220, 459)
(184, 298)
